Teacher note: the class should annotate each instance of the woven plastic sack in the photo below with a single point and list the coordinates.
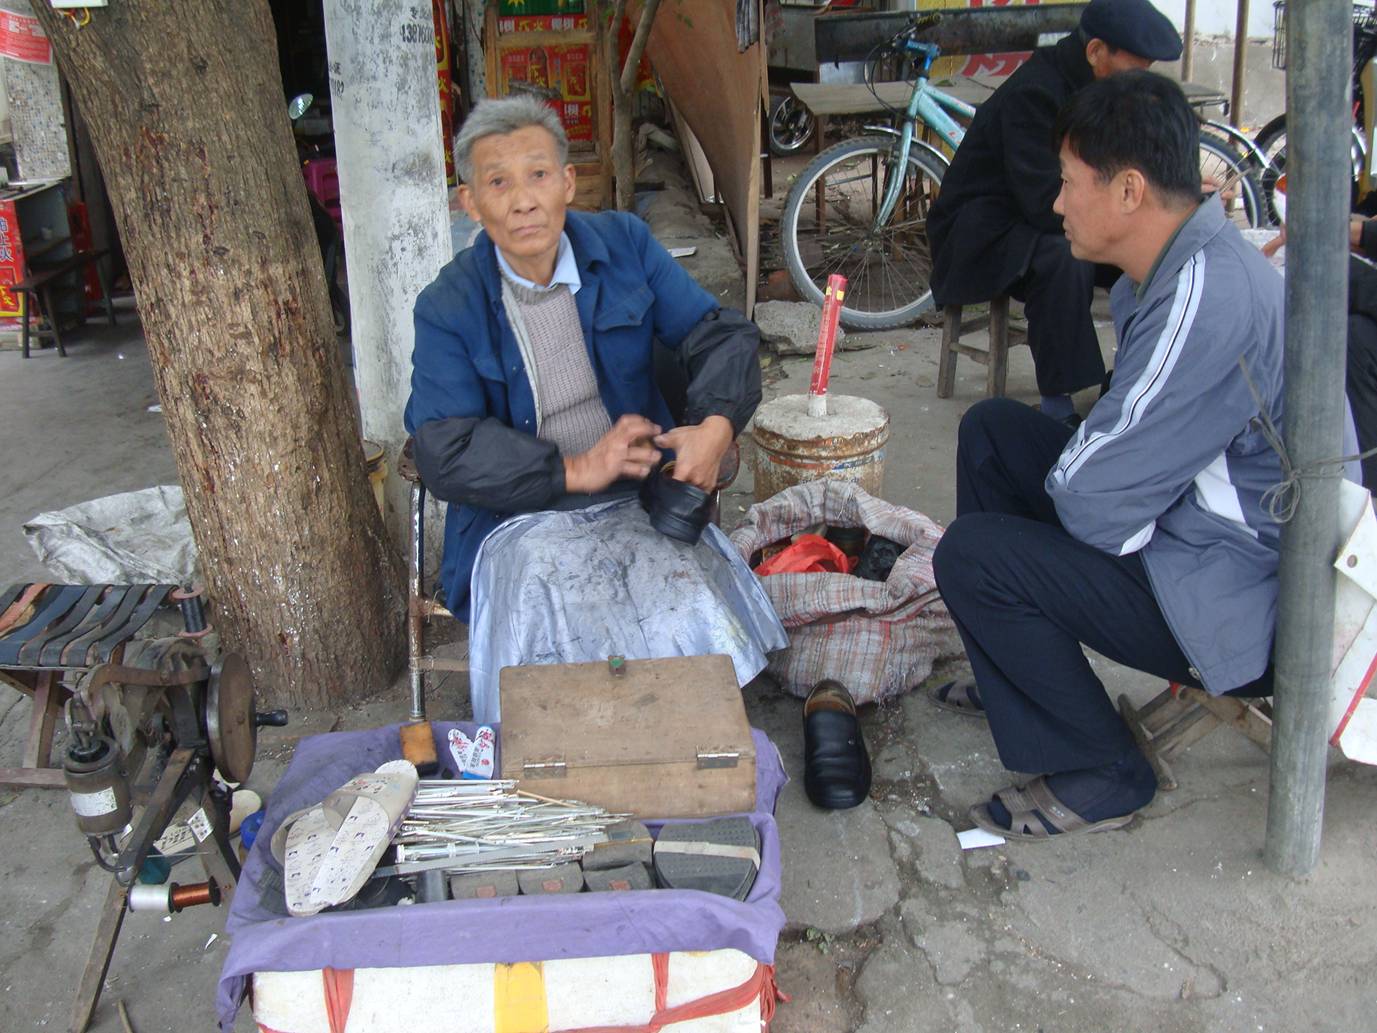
(878, 638)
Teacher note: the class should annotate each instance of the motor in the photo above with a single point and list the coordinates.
(322, 189)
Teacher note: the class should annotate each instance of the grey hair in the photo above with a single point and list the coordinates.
(498, 116)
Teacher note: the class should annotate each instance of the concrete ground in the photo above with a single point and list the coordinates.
(1169, 926)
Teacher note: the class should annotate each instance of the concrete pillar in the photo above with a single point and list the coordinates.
(386, 109)
(473, 38)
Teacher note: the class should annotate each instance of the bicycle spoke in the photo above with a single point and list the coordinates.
(888, 268)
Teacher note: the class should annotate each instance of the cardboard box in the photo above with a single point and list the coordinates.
(1352, 706)
(656, 739)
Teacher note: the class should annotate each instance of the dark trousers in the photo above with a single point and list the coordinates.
(1361, 386)
(1026, 595)
(1056, 292)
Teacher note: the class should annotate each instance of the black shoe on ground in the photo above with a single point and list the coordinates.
(836, 766)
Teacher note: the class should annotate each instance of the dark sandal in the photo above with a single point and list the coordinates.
(1029, 804)
(960, 697)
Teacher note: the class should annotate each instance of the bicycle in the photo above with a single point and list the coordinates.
(1227, 151)
(1271, 138)
(871, 195)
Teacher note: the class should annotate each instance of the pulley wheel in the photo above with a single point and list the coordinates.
(230, 717)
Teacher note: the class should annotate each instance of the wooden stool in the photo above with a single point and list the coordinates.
(1180, 715)
(995, 358)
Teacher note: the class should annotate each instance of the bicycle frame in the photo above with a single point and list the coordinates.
(926, 103)
(1241, 140)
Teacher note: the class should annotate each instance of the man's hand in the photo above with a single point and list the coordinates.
(1276, 243)
(624, 451)
(698, 450)
(1355, 231)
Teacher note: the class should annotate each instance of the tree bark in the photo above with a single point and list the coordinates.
(184, 103)
(623, 84)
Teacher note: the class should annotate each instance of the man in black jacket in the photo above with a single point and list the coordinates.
(992, 228)
(1361, 376)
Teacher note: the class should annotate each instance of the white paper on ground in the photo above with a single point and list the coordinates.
(972, 839)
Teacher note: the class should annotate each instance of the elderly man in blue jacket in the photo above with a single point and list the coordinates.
(534, 375)
(1143, 534)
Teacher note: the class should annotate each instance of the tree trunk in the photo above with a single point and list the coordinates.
(623, 83)
(184, 103)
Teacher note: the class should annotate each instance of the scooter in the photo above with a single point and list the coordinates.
(322, 189)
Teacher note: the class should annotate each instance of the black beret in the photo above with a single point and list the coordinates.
(1132, 25)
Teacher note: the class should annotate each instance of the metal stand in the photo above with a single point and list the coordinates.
(189, 720)
(420, 607)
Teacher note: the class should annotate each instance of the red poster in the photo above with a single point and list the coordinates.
(11, 263)
(22, 39)
(565, 71)
(445, 83)
(543, 23)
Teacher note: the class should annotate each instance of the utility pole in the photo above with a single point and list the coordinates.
(1319, 127)
(386, 108)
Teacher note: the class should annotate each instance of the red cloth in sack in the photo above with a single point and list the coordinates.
(878, 638)
(810, 554)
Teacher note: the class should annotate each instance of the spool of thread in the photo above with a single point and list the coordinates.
(172, 898)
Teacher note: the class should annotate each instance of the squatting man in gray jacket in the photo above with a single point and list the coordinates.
(1143, 534)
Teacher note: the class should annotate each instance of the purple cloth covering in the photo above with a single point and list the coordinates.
(506, 929)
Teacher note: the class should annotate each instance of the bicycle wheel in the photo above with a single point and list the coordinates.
(791, 125)
(828, 226)
(1221, 163)
(1271, 140)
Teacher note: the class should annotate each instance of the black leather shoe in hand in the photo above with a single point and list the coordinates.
(836, 766)
(677, 509)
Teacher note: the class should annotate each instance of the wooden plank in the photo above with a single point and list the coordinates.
(946, 361)
(699, 169)
(492, 83)
(16, 680)
(824, 99)
(32, 778)
(102, 950)
(999, 347)
(47, 699)
(699, 64)
(630, 742)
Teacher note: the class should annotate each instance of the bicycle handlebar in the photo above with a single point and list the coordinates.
(923, 23)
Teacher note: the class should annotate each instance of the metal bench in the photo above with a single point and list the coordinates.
(50, 635)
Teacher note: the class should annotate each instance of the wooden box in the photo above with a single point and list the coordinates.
(654, 738)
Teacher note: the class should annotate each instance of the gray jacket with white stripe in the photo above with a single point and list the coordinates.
(1172, 460)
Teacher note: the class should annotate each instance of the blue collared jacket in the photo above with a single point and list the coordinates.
(472, 410)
